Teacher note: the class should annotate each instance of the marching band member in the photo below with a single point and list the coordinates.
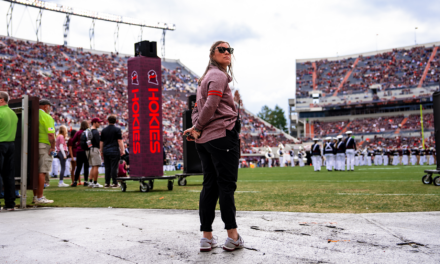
(357, 158)
(430, 156)
(362, 157)
(414, 153)
(370, 153)
(286, 158)
(395, 156)
(350, 148)
(281, 154)
(340, 154)
(329, 153)
(405, 153)
(292, 156)
(386, 154)
(316, 155)
(379, 156)
(301, 156)
(380, 162)
(422, 158)
(269, 157)
(375, 155)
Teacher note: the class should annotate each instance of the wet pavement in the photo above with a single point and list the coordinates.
(108, 235)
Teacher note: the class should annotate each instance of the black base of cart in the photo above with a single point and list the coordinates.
(427, 179)
(182, 177)
(146, 183)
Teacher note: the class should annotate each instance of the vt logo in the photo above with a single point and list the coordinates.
(152, 77)
(134, 78)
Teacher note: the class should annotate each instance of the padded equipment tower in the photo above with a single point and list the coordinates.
(427, 179)
(145, 111)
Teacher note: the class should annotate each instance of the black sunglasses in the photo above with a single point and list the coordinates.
(223, 49)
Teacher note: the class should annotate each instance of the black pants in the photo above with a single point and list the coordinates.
(7, 172)
(220, 159)
(82, 159)
(63, 164)
(111, 163)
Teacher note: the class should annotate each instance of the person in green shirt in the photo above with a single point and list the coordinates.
(8, 128)
(46, 145)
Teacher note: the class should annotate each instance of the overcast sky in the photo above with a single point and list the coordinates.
(268, 36)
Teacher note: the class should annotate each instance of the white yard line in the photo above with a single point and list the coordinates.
(391, 194)
(320, 181)
(99, 190)
(235, 192)
(381, 169)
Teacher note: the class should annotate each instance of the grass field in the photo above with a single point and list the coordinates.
(366, 190)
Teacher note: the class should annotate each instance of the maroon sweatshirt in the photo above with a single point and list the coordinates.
(75, 141)
(215, 110)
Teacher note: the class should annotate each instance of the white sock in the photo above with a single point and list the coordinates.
(61, 181)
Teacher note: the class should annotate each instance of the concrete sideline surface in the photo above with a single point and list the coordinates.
(107, 235)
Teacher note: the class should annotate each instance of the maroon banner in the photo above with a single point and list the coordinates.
(145, 117)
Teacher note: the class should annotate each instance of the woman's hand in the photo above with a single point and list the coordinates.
(193, 135)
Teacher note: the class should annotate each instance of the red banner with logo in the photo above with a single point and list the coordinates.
(145, 117)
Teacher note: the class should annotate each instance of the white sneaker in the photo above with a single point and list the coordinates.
(62, 184)
(97, 185)
(43, 200)
(231, 245)
(207, 244)
(91, 185)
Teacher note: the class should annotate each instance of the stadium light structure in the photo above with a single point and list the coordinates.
(42, 5)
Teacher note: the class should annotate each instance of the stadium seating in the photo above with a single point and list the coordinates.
(84, 84)
(365, 126)
(397, 141)
(413, 123)
(401, 73)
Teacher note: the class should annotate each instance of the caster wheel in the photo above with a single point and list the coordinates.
(436, 181)
(151, 183)
(144, 187)
(427, 179)
(182, 182)
(170, 185)
(123, 186)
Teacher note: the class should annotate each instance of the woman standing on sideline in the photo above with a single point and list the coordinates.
(61, 147)
(72, 153)
(81, 157)
(216, 134)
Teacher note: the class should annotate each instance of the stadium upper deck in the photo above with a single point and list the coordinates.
(407, 74)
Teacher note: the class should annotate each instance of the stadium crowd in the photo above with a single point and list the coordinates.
(374, 125)
(82, 84)
(396, 69)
